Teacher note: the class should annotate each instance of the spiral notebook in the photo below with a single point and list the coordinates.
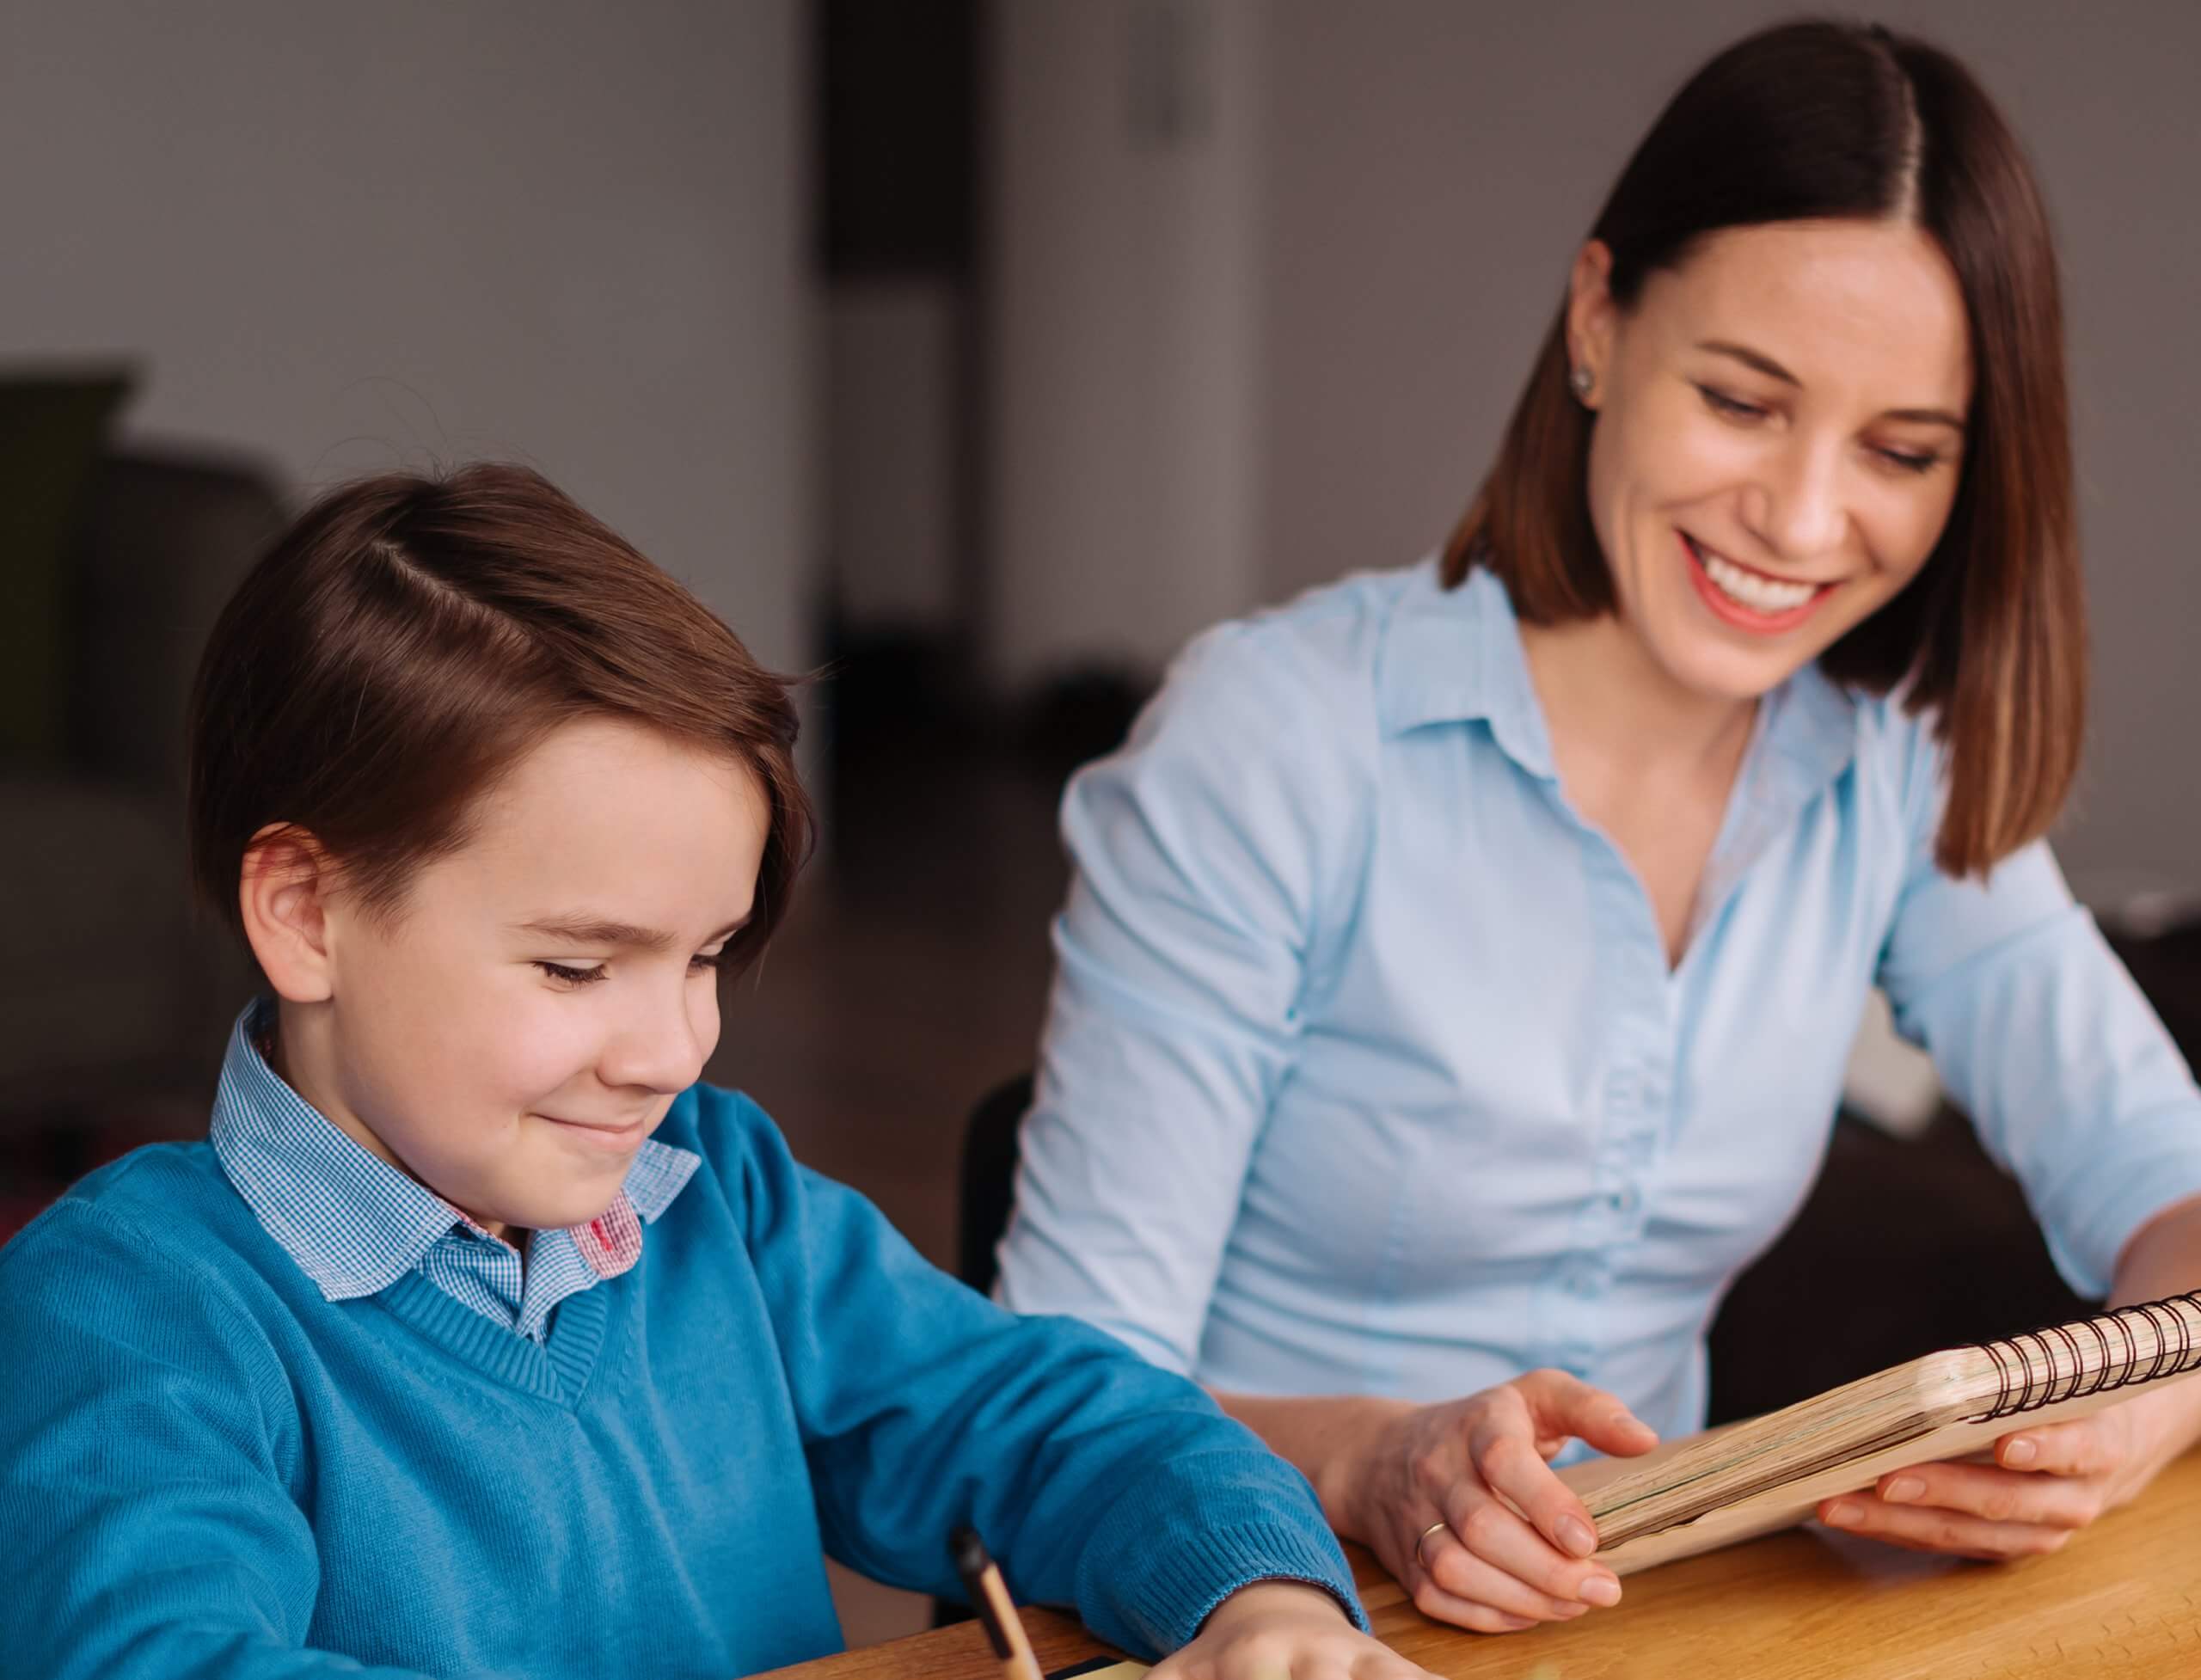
(1754, 1477)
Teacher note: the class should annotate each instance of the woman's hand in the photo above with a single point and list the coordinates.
(1283, 1630)
(2045, 1485)
(1514, 1548)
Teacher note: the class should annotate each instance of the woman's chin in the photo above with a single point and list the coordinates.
(1715, 672)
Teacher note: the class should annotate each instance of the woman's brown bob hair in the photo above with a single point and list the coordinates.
(409, 639)
(1817, 122)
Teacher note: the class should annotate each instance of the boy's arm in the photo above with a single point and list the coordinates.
(1098, 1481)
(149, 1532)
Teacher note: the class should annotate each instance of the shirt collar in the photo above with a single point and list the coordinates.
(354, 1224)
(1454, 656)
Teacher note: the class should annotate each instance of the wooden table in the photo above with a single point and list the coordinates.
(2122, 1597)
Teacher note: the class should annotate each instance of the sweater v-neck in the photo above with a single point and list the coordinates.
(558, 1371)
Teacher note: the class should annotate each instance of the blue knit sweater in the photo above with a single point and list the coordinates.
(207, 1469)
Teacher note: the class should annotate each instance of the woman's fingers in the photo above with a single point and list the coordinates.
(1934, 1528)
(1517, 1543)
(1492, 1530)
(1464, 1578)
(1442, 1551)
(2083, 1447)
(1998, 1495)
(1506, 1457)
(1439, 1605)
(1561, 1404)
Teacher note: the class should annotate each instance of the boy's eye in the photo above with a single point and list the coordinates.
(570, 977)
(566, 975)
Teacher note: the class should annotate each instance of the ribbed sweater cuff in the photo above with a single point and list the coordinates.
(1171, 1588)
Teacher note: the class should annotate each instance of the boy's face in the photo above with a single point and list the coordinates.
(546, 991)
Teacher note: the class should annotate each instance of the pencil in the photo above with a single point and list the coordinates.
(990, 1598)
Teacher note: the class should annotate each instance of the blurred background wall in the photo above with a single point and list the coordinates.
(345, 238)
(1203, 301)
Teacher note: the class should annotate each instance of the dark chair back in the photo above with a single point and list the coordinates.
(989, 1186)
(989, 1180)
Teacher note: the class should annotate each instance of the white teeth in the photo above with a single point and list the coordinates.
(1750, 590)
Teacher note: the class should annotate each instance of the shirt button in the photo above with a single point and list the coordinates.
(1624, 1199)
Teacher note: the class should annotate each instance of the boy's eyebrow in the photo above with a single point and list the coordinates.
(1773, 369)
(585, 929)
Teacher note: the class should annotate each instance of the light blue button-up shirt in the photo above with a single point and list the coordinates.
(1365, 1071)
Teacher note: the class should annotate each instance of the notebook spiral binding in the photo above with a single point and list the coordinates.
(2177, 1339)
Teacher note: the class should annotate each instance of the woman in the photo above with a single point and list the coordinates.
(1457, 977)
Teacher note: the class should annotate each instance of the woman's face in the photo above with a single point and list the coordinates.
(1779, 435)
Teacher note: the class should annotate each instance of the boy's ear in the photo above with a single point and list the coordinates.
(282, 893)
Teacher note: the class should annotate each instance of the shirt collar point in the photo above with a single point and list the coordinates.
(1453, 656)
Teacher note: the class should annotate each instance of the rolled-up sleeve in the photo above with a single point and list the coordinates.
(2039, 1034)
(1205, 854)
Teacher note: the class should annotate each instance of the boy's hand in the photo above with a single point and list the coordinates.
(1283, 1630)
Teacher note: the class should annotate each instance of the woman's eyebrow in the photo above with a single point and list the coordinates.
(1751, 358)
(586, 929)
(1773, 369)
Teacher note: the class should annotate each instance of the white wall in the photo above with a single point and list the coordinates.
(1123, 327)
(347, 237)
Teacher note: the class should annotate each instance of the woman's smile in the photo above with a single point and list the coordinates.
(1746, 598)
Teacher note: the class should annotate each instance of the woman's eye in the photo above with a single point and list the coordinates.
(1908, 462)
(570, 977)
(1734, 408)
(707, 959)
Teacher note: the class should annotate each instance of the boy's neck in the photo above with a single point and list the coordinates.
(289, 1047)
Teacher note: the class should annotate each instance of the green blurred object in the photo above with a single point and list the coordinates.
(53, 424)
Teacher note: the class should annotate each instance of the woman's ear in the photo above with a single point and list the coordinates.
(1591, 313)
(282, 893)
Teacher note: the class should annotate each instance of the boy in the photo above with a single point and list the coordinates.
(478, 1338)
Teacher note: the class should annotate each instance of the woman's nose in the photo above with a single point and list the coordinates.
(1800, 513)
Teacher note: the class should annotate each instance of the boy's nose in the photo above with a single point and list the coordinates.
(662, 1051)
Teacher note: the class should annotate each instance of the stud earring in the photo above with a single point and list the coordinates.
(1582, 379)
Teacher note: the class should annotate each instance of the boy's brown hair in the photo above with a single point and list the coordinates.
(408, 639)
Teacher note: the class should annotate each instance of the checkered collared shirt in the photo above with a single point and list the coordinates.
(356, 1224)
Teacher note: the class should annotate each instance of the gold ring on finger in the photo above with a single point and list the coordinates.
(1433, 1528)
